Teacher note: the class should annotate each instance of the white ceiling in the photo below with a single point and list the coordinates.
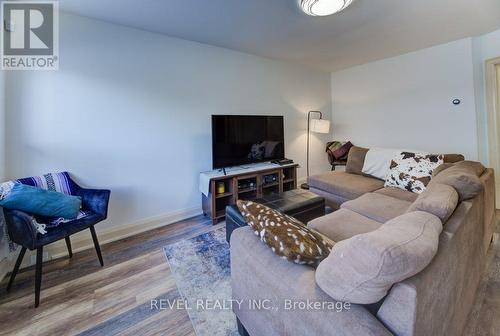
(366, 31)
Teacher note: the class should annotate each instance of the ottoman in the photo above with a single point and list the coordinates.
(300, 204)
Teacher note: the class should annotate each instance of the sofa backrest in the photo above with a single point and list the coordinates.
(356, 159)
(438, 300)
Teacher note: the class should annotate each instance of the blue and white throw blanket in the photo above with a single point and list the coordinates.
(6, 245)
(59, 182)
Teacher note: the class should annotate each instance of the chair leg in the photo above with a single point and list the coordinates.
(96, 244)
(38, 275)
(16, 268)
(68, 245)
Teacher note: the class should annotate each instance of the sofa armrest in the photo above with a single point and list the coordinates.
(446, 287)
(95, 200)
(20, 228)
(258, 275)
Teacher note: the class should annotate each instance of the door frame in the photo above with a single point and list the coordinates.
(493, 119)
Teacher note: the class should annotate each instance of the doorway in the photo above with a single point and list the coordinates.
(493, 106)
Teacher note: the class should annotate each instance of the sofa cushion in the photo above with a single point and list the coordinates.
(465, 183)
(343, 224)
(349, 186)
(356, 160)
(442, 167)
(412, 171)
(285, 235)
(439, 200)
(377, 207)
(398, 193)
(471, 167)
(363, 268)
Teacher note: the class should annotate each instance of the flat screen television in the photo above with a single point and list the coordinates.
(239, 140)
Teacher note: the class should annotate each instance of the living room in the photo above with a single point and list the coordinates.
(128, 111)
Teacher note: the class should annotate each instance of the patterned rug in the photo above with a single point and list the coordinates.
(200, 266)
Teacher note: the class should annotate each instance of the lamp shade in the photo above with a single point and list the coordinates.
(320, 126)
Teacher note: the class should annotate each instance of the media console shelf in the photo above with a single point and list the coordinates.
(246, 186)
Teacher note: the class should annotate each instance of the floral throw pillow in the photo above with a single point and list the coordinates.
(412, 171)
(286, 236)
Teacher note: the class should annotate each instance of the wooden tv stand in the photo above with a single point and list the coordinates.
(247, 185)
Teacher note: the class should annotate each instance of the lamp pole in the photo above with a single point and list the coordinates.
(305, 185)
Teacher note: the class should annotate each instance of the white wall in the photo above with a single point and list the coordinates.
(406, 101)
(130, 111)
(491, 45)
(3, 244)
(2, 125)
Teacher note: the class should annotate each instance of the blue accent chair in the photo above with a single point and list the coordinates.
(22, 232)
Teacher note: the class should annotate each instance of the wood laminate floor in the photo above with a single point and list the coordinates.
(80, 298)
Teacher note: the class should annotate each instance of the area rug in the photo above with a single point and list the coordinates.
(200, 266)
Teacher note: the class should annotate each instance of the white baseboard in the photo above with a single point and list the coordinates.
(83, 240)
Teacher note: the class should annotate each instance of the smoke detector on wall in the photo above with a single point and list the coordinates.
(323, 7)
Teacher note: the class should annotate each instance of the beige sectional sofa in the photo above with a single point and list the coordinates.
(436, 301)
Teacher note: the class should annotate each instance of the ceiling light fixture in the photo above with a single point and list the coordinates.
(323, 7)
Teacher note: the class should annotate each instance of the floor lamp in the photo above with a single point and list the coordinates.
(317, 126)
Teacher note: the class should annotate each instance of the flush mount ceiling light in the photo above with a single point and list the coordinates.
(323, 7)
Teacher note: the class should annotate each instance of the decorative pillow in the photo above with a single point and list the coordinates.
(342, 151)
(439, 199)
(42, 202)
(286, 236)
(412, 171)
(356, 160)
(363, 268)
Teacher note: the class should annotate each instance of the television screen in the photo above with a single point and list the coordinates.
(238, 140)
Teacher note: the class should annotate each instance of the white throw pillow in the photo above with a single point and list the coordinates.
(412, 171)
(378, 162)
